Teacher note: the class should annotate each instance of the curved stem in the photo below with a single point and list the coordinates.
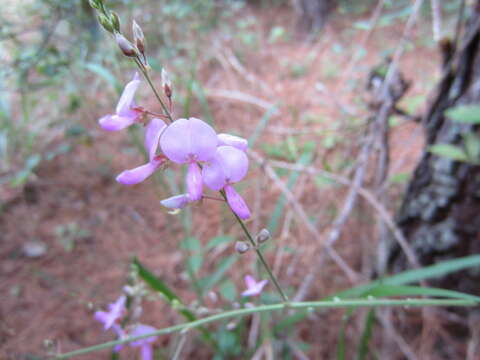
(147, 77)
(259, 253)
(338, 303)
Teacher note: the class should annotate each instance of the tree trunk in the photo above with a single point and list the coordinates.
(440, 214)
(314, 13)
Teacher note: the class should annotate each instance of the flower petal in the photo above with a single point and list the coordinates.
(138, 174)
(146, 352)
(203, 141)
(176, 202)
(212, 174)
(234, 163)
(126, 100)
(116, 122)
(139, 330)
(250, 281)
(232, 140)
(175, 141)
(194, 181)
(152, 136)
(236, 202)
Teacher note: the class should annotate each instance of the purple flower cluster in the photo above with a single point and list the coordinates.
(215, 160)
(110, 318)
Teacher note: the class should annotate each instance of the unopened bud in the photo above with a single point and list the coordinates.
(105, 22)
(166, 84)
(242, 247)
(138, 37)
(96, 4)
(115, 20)
(262, 236)
(125, 45)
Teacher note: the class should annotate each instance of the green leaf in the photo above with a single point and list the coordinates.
(154, 282)
(208, 282)
(262, 124)
(191, 243)
(448, 151)
(29, 167)
(218, 240)
(362, 351)
(472, 146)
(469, 114)
(410, 276)
(228, 290)
(405, 290)
(341, 334)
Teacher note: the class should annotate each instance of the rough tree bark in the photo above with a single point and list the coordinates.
(440, 214)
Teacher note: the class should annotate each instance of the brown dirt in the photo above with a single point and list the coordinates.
(53, 297)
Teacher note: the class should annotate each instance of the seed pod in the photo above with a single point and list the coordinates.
(166, 84)
(105, 22)
(138, 37)
(115, 20)
(125, 45)
(262, 236)
(242, 247)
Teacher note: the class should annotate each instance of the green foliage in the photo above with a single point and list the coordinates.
(449, 151)
(469, 114)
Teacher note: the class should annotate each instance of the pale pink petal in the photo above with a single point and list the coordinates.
(234, 163)
(236, 202)
(152, 136)
(140, 330)
(120, 334)
(138, 174)
(250, 281)
(203, 139)
(125, 104)
(176, 202)
(232, 140)
(116, 122)
(146, 352)
(212, 174)
(194, 181)
(175, 141)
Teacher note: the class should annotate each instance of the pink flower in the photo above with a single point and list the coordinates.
(145, 344)
(115, 312)
(230, 165)
(253, 288)
(126, 112)
(176, 202)
(232, 140)
(188, 142)
(139, 174)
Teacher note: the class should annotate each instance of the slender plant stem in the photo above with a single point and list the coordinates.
(259, 253)
(157, 95)
(338, 303)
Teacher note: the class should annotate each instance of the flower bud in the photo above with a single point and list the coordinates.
(115, 21)
(96, 4)
(166, 83)
(105, 22)
(242, 247)
(138, 37)
(125, 45)
(262, 236)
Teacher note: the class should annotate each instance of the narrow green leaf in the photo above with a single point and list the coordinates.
(341, 334)
(262, 124)
(202, 99)
(448, 151)
(367, 332)
(405, 290)
(154, 282)
(472, 146)
(469, 114)
(104, 73)
(218, 240)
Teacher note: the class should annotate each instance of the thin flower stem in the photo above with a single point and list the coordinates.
(337, 303)
(259, 253)
(147, 77)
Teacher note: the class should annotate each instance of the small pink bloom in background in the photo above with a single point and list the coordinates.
(187, 142)
(145, 344)
(152, 136)
(126, 112)
(253, 288)
(115, 312)
(232, 140)
(230, 165)
(176, 202)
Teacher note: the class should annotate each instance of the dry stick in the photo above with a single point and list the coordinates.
(300, 212)
(397, 338)
(341, 219)
(367, 195)
(363, 42)
(242, 97)
(437, 20)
